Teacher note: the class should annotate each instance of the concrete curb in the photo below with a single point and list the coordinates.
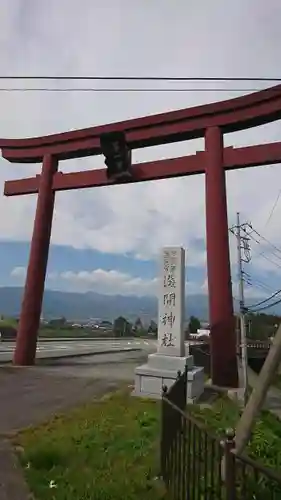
(73, 355)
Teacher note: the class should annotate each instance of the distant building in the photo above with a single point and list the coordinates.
(105, 325)
(201, 333)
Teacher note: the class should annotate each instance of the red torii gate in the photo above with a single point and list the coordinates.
(210, 121)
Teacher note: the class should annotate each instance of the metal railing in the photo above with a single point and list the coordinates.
(196, 465)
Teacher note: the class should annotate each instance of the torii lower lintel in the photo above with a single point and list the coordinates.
(234, 158)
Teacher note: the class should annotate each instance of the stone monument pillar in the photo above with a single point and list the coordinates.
(172, 355)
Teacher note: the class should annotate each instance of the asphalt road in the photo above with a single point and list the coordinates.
(64, 348)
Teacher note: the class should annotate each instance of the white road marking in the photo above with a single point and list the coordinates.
(78, 346)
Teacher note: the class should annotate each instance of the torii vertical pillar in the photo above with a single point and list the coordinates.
(222, 322)
(25, 351)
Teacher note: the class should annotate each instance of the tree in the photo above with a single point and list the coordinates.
(152, 329)
(57, 322)
(138, 324)
(194, 324)
(122, 327)
(261, 326)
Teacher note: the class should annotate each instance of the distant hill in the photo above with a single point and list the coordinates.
(78, 306)
(85, 305)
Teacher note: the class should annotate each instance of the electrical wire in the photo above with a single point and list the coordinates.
(140, 78)
(247, 278)
(268, 306)
(273, 209)
(265, 239)
(266, 224)
(251, 233)
(134, 78)
(265, 300)
(267, 258)
(256, 283)
(125, 89)
(262, 253)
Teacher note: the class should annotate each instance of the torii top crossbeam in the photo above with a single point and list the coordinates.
(231, 115)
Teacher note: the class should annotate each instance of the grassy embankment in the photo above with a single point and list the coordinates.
(109, 449)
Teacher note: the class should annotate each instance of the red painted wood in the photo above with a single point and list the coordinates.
(264, 154)
(231, 115)
(223, 339)
(25, 350)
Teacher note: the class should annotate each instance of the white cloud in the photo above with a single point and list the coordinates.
(109, 282)
(112, 282)
(131, 38)
(19, 272)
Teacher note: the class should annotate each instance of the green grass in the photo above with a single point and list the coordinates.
(109, 449)
(67, 332)
(265, 444)
(9, 322)
(103, 451)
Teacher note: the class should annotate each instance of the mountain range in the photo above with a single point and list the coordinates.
(79, 306)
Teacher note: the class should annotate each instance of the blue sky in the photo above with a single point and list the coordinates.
(63, 259)
(108, 239)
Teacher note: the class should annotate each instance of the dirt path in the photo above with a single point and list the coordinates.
(31, 395)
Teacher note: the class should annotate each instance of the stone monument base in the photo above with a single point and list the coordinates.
(162, 370)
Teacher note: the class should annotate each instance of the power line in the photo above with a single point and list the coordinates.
(270, 260)
(269, 218)
(265, 300)
(140, 78)
(256, 307)
(125, 89)
(273, 209)
(259, 284)
(268, 306)
(244, 277)
(256, 283)
(262, 254)
(265, 239)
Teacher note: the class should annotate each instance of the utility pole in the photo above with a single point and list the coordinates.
(243, 336)
(243, 255)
